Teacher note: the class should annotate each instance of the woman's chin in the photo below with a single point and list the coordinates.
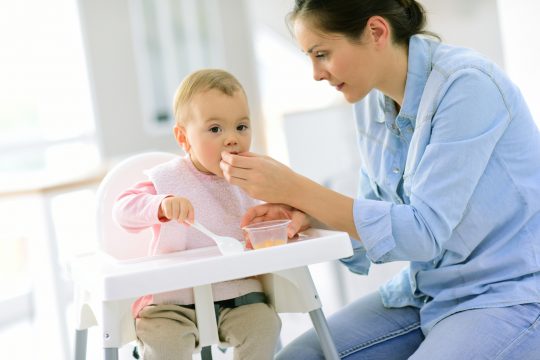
(351, 99)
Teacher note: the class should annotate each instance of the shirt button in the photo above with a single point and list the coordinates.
(396, 170)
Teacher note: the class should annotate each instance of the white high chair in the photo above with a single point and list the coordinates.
(107, 283)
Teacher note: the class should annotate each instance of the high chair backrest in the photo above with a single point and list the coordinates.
(112, 239)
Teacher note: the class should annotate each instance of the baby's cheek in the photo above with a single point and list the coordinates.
(212, 156)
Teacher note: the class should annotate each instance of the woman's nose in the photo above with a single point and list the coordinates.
(319, 74)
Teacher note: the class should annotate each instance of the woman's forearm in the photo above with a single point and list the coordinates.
(325, 205)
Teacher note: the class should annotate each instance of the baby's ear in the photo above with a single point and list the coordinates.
(180, 135)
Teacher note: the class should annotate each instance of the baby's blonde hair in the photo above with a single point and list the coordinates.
(201, 81)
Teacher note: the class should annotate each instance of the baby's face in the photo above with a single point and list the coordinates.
(217, 122)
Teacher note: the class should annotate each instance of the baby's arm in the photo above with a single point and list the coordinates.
(140, 207)
(137, 208)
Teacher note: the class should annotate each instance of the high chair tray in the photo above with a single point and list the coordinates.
(116, 280)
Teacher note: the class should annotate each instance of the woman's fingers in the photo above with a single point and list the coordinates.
(243, 160)
(259, 176)
(231, 173)
(265, 212)
(254, 213)
(299, 222)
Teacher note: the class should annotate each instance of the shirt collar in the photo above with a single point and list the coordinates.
(418, 70)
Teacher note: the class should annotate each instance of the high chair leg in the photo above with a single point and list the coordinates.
(111, 353)
(321, 327)
(80, 344)
(206, 353)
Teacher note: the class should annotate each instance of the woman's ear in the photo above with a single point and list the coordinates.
(180, 135)
(379, 31)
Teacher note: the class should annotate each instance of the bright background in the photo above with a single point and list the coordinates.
(86, 83)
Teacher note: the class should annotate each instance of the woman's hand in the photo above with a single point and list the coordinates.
(299, 220)
(261, 177)
(266, 179)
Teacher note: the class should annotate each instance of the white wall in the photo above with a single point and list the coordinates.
(521, 39)
(474, 24)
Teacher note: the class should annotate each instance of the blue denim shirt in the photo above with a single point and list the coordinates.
(451, 183)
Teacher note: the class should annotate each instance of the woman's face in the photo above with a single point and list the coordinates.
(349, 67)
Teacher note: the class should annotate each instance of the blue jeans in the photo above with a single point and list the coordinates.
(367, 330)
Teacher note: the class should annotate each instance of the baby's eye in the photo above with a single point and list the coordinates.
(215, 129)
(242, 127)
(319, 54)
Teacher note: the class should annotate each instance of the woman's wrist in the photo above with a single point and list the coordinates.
(295, 192)
(326, 206)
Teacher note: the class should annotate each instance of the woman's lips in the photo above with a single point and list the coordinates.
(340, 86)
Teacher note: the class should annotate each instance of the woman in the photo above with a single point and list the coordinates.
(450, 181)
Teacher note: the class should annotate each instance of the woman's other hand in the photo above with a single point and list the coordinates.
(260, 176)
(265, 212)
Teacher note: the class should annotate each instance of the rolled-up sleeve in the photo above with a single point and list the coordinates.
(462, 136)
(359, 262)
(373, 221)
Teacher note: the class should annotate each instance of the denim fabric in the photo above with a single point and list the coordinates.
(367, 330)
(451, 183)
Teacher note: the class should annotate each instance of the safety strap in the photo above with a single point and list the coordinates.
(247, 299)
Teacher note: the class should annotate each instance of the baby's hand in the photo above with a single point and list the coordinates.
(177, 209)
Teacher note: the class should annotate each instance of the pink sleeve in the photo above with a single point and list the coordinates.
(137, 208)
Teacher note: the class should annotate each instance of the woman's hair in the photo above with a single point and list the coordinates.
(201, 81)
(349, 17)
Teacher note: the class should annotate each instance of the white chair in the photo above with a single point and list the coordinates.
(107, 283)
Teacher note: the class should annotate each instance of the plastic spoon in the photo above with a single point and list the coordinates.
(227, 245)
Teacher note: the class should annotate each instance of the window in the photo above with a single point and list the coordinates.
(46, 116)
(171, 39)
(46, 124)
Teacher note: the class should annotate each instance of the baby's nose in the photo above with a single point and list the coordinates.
(231, 140)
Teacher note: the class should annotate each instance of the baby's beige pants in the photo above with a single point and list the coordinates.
(169, 332)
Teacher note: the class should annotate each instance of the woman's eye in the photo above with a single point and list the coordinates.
(242, 127)
(215, 129)
(320, 55)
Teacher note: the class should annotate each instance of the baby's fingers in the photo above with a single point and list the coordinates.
(166, 209)
(186, 213)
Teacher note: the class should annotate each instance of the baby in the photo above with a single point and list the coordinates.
(212, 115)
